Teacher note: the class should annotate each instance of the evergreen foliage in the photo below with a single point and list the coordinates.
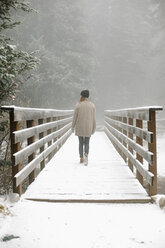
(15, 67)
(14, 63)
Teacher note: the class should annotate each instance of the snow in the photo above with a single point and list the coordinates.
(86, 225)
(13, 47)
(11, 107)
(138, 108)
(106, 177)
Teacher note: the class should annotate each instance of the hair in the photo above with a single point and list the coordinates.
(82, 98)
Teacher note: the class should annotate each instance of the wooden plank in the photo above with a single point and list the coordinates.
(105, 179)
(143, 113)
(24, 134)
(23, 114)
(148, 156)
(22, 154)
(146, 174)
(143, 134)
(85, 200)
(19, 177)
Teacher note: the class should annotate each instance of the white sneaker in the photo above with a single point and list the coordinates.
(85, 159)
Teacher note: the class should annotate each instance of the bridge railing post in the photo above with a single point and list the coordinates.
(120, 129)
(152, 148)
(49, 131)
(130, 135)
(15, 147)
(31, 140)
(56, 138)
(139, 124)
(124, 119)
(40, 136)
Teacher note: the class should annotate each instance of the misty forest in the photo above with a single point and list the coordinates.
(114, 48)
(51, 52)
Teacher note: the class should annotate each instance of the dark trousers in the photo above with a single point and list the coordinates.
(83, 143)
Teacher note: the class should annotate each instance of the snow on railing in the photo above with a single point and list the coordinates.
(133, 133)
(36, 135)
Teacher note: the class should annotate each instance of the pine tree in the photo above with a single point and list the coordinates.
(15, 67)
(14, 63)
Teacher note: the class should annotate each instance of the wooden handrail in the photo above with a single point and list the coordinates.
(142, 113)
(22, 135)
(24, 114)
(135, 142)
(36, 135)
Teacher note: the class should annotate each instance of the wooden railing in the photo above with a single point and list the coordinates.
(36, 135)
(133, 133)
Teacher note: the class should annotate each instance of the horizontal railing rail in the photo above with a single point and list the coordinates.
(36, 135)
(133, 134)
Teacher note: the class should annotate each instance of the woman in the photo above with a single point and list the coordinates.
(84, 123)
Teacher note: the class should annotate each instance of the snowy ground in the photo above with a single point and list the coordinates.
(41, 225)
(72, 225)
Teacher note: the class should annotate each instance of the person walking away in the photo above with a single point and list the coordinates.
(84, 124)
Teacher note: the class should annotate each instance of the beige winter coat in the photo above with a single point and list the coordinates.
(84, 118)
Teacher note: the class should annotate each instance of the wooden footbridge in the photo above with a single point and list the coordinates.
(122, 161)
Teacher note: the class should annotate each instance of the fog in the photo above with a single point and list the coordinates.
(114, 48)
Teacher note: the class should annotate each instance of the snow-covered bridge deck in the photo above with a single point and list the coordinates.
(106, 178)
